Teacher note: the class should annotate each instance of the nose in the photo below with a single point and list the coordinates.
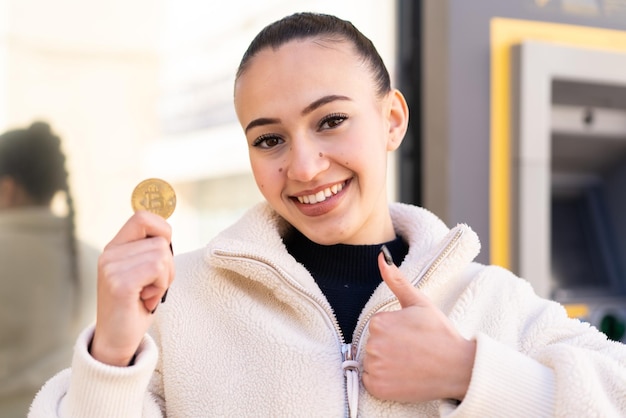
(306, 159)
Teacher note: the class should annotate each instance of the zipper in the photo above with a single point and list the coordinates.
(349, 365)
(418, 282)
(351, 372)
(349, 351)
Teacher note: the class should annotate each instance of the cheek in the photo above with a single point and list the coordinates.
(267, 174)
(258, 172)
(266, 168)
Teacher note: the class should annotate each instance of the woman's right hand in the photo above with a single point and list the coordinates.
(134, 271)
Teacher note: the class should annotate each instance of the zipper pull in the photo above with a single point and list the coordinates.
(351, 372)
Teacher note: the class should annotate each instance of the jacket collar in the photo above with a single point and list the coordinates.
(256, 240)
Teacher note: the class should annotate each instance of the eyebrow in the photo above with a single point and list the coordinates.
(261, 122)
(311, 107)
(322, 101)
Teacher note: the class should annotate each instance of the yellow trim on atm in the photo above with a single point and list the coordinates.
(504, 34)
(577, 310)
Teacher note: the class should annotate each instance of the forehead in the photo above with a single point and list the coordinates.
(303, 69)
(302, 48)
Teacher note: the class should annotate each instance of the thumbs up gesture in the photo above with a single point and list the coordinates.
(415, 354)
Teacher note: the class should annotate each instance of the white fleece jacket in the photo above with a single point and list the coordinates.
(246, 332)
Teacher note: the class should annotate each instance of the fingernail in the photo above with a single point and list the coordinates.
(387, 255)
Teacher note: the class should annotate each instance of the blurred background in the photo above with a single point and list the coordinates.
(518, 119)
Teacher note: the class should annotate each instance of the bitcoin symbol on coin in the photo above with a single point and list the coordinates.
(154, 195)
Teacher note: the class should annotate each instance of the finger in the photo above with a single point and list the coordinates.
(151, 293)
(405, 292)
(140, 225)
(134, 249)
(152, 303)
(136, 264)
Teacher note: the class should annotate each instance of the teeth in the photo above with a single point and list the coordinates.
(321, 195)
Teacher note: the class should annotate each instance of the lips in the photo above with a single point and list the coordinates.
(322, 195)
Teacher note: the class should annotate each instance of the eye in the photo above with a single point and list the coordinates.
(267, 141)
(333, 120)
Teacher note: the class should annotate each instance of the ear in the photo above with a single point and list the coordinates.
(398, 119)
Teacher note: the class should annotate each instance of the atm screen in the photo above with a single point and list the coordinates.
(585, 245)
(577, 259)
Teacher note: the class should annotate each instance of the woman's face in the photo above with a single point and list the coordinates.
(318, 137)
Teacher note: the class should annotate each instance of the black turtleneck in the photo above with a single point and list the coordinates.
(346, 274)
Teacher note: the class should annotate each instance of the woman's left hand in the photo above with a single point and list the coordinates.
(415, 354)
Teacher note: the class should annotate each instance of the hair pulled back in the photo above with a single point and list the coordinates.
(307, 25)
(33, 158)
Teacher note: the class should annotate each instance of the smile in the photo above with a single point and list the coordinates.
(322, 194)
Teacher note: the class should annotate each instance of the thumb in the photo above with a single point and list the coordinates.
(405, 292)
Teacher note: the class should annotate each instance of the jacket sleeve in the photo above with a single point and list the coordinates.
(533, 360)
(93, 389)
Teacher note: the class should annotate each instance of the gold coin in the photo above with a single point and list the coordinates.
(154, 195)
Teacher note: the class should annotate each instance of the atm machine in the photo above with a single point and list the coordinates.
(569, 187)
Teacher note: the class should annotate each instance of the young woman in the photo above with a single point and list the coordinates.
(40, 276)
(298, 309)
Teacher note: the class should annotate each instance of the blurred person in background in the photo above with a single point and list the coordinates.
(47, 280)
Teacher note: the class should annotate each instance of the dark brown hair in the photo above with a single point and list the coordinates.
(33, 158)
(325, 27)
